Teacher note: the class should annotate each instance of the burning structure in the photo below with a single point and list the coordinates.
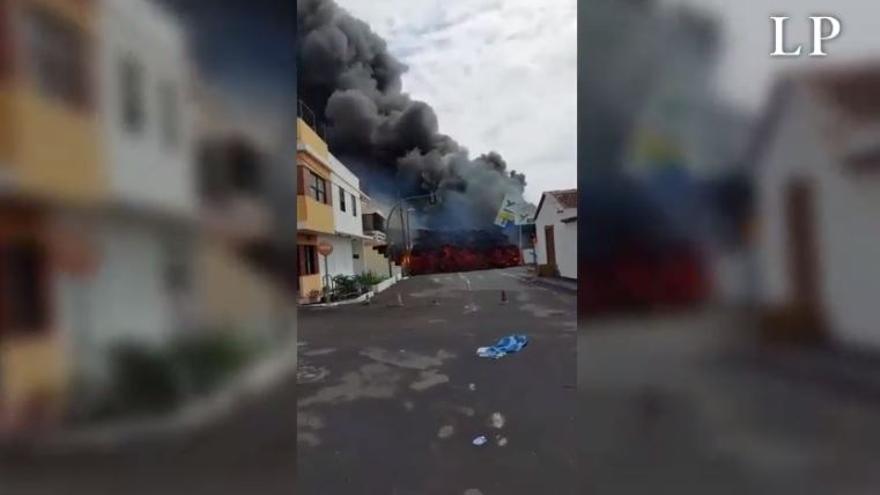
(351, 89)
(443, 251)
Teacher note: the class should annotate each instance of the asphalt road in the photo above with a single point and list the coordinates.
(251, 451)
(391, 398)
(690, 404)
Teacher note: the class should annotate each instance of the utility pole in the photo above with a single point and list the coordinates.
(432, 198)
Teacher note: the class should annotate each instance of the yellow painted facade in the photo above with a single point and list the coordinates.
(33, 378)
(307, 138)
(231, 294)
(312, 216)
(49, 151)
(310, 285)
(375, 262)
(55, 151)
(49, 148)
(312, 154)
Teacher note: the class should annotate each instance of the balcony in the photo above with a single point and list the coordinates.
(313, 217)
(377, 238)
(374, 228)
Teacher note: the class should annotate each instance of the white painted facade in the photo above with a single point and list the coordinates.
(341, 261)
(347, 210)
(551, 212)
(129, 298)
(846, 215)
(149, 163)
(347, 193)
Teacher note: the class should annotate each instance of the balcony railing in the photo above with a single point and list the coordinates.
(308, 116)
(377, 236)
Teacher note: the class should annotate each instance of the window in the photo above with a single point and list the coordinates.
(318, 187)
(170, 117)
(308, 260)
(341, 198)
(23, 305)
(131, 85)
(243, 168)
(354, 206)
(58, 59)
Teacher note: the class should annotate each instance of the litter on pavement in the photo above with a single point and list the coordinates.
(506, 345)
(480, 440)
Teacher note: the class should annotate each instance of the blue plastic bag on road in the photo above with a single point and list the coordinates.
(506, 345)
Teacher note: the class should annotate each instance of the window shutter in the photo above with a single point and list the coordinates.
(328, 197)
(300, 180)
(301, 260)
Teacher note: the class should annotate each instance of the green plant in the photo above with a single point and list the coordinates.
(346, 285)
(144, 380)
(205, 361)
(369, 279)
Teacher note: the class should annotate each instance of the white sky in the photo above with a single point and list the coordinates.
(746, 69)
(501, 75)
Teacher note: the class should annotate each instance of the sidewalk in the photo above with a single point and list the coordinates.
(565, 284)
(255, 381)
(363, 298)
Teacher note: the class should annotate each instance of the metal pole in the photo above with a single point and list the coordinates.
(388, 225)
(326, 273)
(519, 242)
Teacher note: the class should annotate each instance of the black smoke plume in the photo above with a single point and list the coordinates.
(352, 84)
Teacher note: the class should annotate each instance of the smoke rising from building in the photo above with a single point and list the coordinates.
(352, 83)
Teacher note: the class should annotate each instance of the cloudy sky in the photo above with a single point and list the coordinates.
(746, 69)
(501, 75)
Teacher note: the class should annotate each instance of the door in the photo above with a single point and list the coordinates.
(803, 257)
(550, 242)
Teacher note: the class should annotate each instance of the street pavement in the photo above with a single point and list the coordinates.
(250, 451)
(689, 404)
(392, 397)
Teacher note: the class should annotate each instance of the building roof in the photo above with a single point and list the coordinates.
(849, 91)
(852, 91)
(568, 198)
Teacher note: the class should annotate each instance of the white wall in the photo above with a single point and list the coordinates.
(125, 300)
(848, 225)
(341, 260)
(143, 170)
(358, 264)
(349, 221)
(564, 234)
(566, 249)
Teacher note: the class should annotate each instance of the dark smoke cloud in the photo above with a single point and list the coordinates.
(352, 83)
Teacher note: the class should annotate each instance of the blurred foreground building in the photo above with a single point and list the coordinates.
(816, 160)
(52, 179)
(108, 235)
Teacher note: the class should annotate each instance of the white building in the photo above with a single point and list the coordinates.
(139, 292)
(348, 240)
(144, 80)
(818, 205)
(556, 233)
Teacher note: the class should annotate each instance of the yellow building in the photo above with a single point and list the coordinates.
(314, 213)
(49, 161)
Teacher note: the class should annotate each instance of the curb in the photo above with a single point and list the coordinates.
(360, 299)
(548, 284)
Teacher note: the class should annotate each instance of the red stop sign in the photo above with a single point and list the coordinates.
(325, 248)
